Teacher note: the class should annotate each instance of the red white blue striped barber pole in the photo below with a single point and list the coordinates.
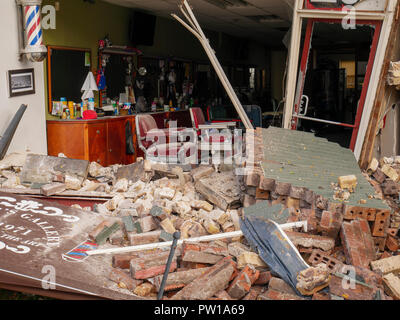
(33, 27)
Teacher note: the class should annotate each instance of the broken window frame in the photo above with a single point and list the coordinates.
(377, 25)
(299, 14)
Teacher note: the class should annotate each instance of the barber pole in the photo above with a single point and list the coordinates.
(33, 26)
(33, 34)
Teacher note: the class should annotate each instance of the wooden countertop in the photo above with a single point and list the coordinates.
(108, 118)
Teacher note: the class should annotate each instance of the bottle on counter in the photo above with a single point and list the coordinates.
(91, 104)
(84, 106)
(154, 106)
(71, 109)
(64, 102)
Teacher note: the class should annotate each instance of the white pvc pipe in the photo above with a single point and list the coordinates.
(213, 237)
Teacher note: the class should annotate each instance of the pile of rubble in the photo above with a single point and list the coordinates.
(148, 202)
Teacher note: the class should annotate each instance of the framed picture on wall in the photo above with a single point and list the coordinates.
(21, 82)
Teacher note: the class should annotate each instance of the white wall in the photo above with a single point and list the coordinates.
(31, 132)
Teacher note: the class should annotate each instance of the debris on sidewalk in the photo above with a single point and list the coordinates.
(351, 234)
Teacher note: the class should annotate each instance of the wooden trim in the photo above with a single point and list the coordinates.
(377, 69)
(86, 140)
(370, 136)
(49, 52)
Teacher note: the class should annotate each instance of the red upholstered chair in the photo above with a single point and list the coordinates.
(163, 145)
(215, 137)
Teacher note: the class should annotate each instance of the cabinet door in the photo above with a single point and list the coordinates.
(65, 138)
(97, 136)
(116, 144)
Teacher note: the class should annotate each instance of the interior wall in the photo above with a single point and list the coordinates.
(278, 66)
(31, 132)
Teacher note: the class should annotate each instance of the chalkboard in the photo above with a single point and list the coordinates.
(67, 71)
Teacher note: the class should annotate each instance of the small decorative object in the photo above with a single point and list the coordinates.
(21, 82)
(89, 86)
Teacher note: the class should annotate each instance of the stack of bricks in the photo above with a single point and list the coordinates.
(384, 176)
(206, 271)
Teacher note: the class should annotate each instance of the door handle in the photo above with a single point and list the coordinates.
(303, 105)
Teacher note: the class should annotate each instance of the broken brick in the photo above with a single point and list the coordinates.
(144, 238)
(306, 240)
(254, 292)
(357, 242)
(387, 265)
(280, 285)
(381, 224)
(392, 285)
(250, 258)
(313, 279)
(263, 278)
(242, 283)
(123, 279)
(349, 290)
(214, 280)
(223, 295)
(271, 294)
(52, 188)
(150, 265)
(392, 243)
(330, 223)
(179, 279)
(203, 253)
(145, 289)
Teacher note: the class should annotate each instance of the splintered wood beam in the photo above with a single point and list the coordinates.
(196, 30)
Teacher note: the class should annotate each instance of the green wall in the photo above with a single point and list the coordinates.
(81, 24)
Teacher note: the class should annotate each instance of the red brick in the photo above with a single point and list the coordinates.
(392, 243)
(267, 184)
(318, 256)
(223, 295)
(321, 296)
(263, 278)
(385, 255)
(357, 242)
(179, 279)
(330, 223)
(280, 285)
(214, 280)
(254, 292)
(144, 238)
(203, 253)
(271, 294)
(99, 228)
(358, 292)
(123, 279)
(381, 224)
(262, 194)
(282, 188)
(379, 243)
(306, 240)
(243, 282)
(123, 260)
(150, 265)
(252, 179)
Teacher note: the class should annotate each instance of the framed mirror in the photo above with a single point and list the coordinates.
(67, 69)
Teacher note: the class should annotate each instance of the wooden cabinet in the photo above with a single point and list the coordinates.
(101, 140)
(96, 135)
